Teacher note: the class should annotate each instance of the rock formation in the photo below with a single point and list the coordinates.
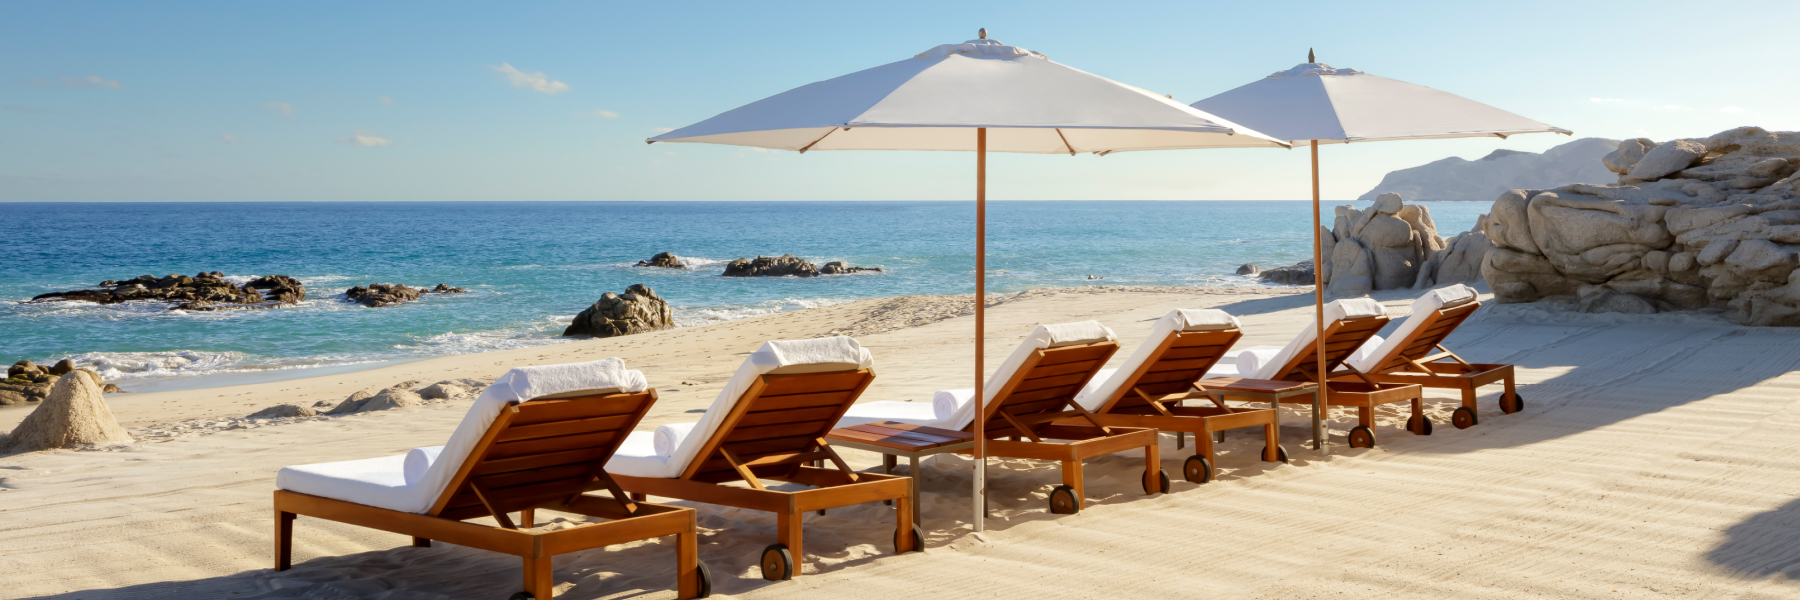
(205, 291)
(282, 411)
(383, 294)
(1248, 270)
(1458, 261)
(837, 267)
(1378, 248)
(27, 382)
(1701, 223)
(638, 310)
(73, 415)
(771, 266)
(1480, 180)
(1300, 273)
(663, 260)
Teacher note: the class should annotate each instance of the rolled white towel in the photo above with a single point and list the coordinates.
(1362, 353)
(944, 403)
(418, 461)
(668, 437)
(1250, 359)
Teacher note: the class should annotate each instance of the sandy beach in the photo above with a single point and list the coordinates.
(1651, 462)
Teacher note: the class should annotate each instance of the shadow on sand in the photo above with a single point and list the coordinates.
(1764, 545)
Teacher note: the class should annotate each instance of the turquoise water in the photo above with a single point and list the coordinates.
(531, 266)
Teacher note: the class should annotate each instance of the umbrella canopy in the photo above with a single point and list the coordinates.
(1317, 104)
(932, 100)
(976, 96)
(1314, 101)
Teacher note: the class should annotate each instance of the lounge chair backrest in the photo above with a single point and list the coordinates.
(1438, 324)
(778, 423)
(1342, 338)
(1435, 315)
(1047, 381)
(1182, 358)
(541, 450)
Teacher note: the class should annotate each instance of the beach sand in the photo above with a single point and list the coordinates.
(1655, 459)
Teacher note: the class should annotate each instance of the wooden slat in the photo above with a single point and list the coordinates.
(1067, 391)
(746, 434)
(543, 411)
(506, 480)
(793, 401)
(539, 461)
(1062, 369)
(1068, 354)
(555, 428)
(1034, 383)
(797, 415)
(811, 383)
(549, 445)
(754, 448)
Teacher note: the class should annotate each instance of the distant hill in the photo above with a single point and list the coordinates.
(1486, 179)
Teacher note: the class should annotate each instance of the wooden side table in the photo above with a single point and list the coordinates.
(1263, 390)
(893, 439)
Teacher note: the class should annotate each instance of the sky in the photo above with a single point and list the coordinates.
(323, 101)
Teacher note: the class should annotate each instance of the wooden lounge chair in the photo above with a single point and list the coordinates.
(1415, 353)
(1030, 392)
(770, 422)
(1349, 325)
(512, 453)
(1148, 389)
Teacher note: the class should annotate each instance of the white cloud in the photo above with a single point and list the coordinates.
(386, 100)
(365, 139)
(536, 82)
(75, 82)
(605, 114)
(228, 138)
(1731, 109)
(1606, 100)
(282, 108)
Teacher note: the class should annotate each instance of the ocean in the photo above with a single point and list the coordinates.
(530, 266)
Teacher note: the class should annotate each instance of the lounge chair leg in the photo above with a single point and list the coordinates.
(538, 578)
(1272, 443)
(1365, 416)
(912, 463)
(1203, 446)
(1180, 440)
(1468, 398)
(687, 558)
(903, 524)
(1153, 468)
(284, 540)
(787, 533)
(419, 542)
(528, 518)
(1073, 478)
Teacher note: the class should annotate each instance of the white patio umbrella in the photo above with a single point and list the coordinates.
(1316, 103)
(979, 95)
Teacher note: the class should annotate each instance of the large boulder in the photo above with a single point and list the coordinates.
(771, 266)
(203, 291)
(279, 288)
(663, 260)
(1712, 223)
(1300, 273)
(74, 415)
(377, 295)
(637, 310)
(1459, 260)
(837, 267)
(1382, 247)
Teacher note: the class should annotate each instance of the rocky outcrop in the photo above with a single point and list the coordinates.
(837, 267)
(1705, 223)
(283, 411)
(1300, 273)
(377, 295)
(637, 310)
(74, 415)
(1480, 180)
(1458, 261)
(28, 382)
(663, 260)
(1248, 270)
(1378, 248)
(205, 291)
(771, 266)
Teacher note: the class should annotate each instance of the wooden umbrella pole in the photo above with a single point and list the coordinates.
(980, 326)
(1319, 442)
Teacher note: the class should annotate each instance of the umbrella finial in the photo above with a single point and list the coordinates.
(982, 33)
(1309, 56)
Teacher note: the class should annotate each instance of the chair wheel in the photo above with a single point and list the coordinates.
(1512, 405)
(1161, 475)
(1280, 453)
(522, 596)
(1196, 469)
(918, 539)
(704, 574)
(777, 563)
(1419, 425)
(1463, 418)
(1362, 437)
(1063, 500)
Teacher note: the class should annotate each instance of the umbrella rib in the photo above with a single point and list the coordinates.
(815, 142)
(1065, 140)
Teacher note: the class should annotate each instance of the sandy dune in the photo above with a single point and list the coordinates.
(1655, 459)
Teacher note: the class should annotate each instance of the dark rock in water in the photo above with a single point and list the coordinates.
(771, 266)
(837, 267)
(279, 288)
(383, 294)
(1248, 269)
(663, 260)
(205, 291)
(638, 310)
(62, 367)
(112, 389)
(1300, 273)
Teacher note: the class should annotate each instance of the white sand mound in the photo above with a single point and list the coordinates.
(74, 414)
